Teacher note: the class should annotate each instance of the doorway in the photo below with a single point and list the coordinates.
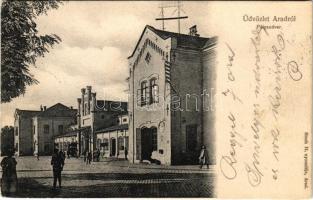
(113, 147)
(148, 142)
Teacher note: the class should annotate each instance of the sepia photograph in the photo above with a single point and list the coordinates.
(107, 99)
(156, 99)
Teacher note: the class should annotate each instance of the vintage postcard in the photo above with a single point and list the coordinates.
(158, 99)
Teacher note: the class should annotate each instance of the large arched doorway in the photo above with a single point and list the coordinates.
(148, 142)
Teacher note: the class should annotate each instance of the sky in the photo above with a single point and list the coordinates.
(97, 37)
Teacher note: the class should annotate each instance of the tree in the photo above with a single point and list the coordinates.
(7, 139)
(21, 44)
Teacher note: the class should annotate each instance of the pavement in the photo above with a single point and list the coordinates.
(113, 178)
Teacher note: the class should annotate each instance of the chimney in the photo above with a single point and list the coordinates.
(89, 91)
(44, 108)
(83, 90)
(193, 31)
(41, 108)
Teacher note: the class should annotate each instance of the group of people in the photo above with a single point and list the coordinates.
(88, 156)
(9, 176)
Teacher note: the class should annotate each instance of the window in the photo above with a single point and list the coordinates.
(121, 143)
(144, 93)
(98, 143)
(154, 91)
(102, 116)
(34, 130)
(105, 144)
(148, 57)
(47, 148)
(60, 128)
(86, 109)
(16, 146)
(154, 139)
(191, 134)
(124, 119)
(46, 129)
(16, 131)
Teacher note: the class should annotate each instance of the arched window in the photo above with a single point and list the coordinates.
(154, 91)
(105, 144)
(144, 93)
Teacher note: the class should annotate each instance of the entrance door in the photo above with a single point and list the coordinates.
(147, 143)
(113, 147)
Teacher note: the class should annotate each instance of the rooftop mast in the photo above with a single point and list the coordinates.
(176, 5)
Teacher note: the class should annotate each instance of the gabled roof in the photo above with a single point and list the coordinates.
(58, 110)
(183, 40)
(27, 113)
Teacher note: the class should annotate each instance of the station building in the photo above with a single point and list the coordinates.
(170, 78)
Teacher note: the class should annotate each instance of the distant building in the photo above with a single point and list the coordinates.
(170, 79)
(50, 123)
(114, 140)
(34, 130)
(93, 115)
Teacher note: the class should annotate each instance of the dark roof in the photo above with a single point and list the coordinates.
(58, 110)
(183, 40)
(27, 113)
(113, 128)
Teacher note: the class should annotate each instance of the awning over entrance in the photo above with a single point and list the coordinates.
(74, 132)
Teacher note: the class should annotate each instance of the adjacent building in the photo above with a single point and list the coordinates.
(171, 76)
(93, 116)
(49, 123)
(113, 141)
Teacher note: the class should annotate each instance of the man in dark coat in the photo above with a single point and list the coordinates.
(57, 163)
(9, 177)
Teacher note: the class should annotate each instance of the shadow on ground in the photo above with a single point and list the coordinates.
(120, 185)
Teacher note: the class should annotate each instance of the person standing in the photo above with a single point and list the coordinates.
(89, 157)
(57, 163)
(98, 155)
(9, 176)
(126, 153)
(85, 156)
(204, 157)
(68, 153)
